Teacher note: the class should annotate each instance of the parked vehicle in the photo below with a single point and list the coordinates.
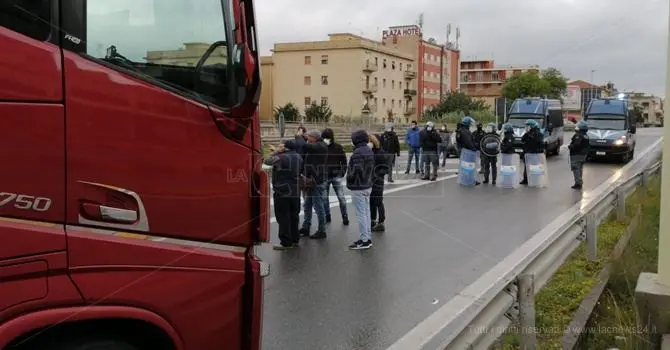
(548, 114)
(611, 129)
(132, 195)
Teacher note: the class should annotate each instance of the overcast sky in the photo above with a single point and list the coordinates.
(623, 41)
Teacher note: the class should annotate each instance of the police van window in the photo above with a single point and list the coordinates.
(28, 17)
(177, 36)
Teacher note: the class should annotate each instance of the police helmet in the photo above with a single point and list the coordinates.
(430, 124)
(532, 123)
(467, 121)
(582, 125)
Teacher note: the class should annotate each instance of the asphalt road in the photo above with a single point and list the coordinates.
(440, 237)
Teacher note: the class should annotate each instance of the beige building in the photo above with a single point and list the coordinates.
(267, 105)
(188, 55)
(353, 75)
(652, 107)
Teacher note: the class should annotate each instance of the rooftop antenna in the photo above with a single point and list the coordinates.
(458, 36)
(421, 21)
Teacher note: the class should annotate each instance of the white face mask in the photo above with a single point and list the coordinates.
(326, 141)
(429, 128)
(370, 145)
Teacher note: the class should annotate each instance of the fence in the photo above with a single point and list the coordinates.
(478, 316)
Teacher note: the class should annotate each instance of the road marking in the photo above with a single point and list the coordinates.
(392, 190)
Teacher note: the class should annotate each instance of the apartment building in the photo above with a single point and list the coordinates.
(353, 75)
(482, 79)
(267, 105)
(652, 107)
(188, 55)
(588, 92)
(436, 66)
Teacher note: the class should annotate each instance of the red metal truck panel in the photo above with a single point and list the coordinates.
(32, 72)
(128, 135)
(32, 183)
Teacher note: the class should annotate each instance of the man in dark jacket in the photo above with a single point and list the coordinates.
(579, 150)
(391, 145)
(382, 169)
(477, 136)
(287, 165)
(359, 182)
(315, 160)
(444, 145)
(533, 142)
(300, 140)
(466, 139)
(507, 144)
(337, 167)
(413, 141)
(430, 140)
(490, 148)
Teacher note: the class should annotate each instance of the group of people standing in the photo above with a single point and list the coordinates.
(310, 164)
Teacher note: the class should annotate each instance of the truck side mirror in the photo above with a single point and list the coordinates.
(633, 129)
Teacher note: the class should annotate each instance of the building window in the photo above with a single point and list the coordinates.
(324, 59)
(324, 101)
(383, 103)
(308, 101)
(308, 80)
(308, 60)
(480, 76)
(384, 82)
(409, 66)
(384, 63)
(392, 84)
(464, 77)
(324, 80)
(376, 61)
(375, 102)
(376, 81)
(393, 103)
(400, 66)
(400, 104)
(495, 76)
(393, 65)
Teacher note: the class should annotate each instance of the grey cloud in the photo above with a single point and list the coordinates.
(624, 41)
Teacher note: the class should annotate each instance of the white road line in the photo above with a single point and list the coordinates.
(392, 190)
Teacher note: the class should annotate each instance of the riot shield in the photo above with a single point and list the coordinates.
(509, 172)
(536, 166)
(467, 168)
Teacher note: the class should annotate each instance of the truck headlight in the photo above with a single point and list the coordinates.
(619, 142)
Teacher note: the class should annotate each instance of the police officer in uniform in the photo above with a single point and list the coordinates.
(489, 146)
(478, 135)
(579, 150)
(533, 142)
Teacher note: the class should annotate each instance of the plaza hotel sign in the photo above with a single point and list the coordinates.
(402, 31)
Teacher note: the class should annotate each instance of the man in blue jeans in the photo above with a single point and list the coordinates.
(414, 148)
(359, 182)
(315, 157)
(337, 167)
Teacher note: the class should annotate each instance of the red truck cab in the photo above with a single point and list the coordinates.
(132, 194)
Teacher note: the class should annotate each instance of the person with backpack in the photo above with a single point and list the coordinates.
(391, 146)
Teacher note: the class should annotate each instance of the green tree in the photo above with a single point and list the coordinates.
(455, 102)
(290, 112)
(557, 82)
(318, 113)
(526, 84)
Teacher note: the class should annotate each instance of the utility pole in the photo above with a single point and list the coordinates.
(441, 73)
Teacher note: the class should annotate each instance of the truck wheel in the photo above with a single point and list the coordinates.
(92, 343)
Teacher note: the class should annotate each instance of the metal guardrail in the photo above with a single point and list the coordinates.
(478, 316)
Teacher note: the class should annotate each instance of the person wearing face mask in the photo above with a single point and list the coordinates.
(533, 143)
(477, 135)
(413, 142)
(579, 150)
(467, 143)
(430, 140)
(337, 168)
(509, 173)
(391, 145)
(444, 145)
(377, 195)
(490, 148)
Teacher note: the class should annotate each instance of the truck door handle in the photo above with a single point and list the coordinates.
(109, 214)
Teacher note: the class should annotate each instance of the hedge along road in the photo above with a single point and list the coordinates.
(440, 238)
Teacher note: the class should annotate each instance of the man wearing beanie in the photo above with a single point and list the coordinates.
(337, 167)
(359, 181)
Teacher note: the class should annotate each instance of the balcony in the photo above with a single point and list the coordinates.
(410, 111)
(409, 75)
(369, 67)
(409, 93)
(370, 89)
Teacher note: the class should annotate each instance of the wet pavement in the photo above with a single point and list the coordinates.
(439, 238)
